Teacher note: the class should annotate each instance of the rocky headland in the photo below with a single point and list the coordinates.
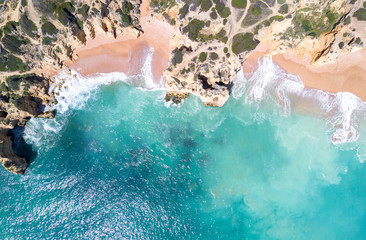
(212, 40)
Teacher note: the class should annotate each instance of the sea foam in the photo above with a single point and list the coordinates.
(342, 111)
(72, 91)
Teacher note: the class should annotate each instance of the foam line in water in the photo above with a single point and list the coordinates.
(145, 79)
(72, 91)
(270, 83)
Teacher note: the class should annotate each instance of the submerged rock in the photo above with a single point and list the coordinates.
(176, 97)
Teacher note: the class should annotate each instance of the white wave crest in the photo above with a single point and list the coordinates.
(145, 78)
(271, 83)
(72, 91)
(346, 108)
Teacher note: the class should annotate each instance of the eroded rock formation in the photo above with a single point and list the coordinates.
(38, 38)
(217, 36)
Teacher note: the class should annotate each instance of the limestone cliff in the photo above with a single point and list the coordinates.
(37, 38)
(216, 37)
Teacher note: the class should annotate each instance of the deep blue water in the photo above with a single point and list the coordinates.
(126, 166)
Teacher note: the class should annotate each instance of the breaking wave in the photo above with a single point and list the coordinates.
(270, 83)
(72, 91)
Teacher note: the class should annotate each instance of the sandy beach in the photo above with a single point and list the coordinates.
(127, 54)
(346, 74)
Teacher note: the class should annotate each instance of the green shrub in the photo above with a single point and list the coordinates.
(12, 43)
(255, 10)
(63, 12)
(162, 5)
(47, 40)
(222, 10)
(84, 10)
(10, 27)
(347, 21)
(283, 9)
(49, 28)
(80, 23)
(213, 15)
(214, 56)
(177, 57)
(203, 56)
(239, 3)
(221, 34)
(193, 28)
(12, 63)
(127, 7)
(28, 26)
(311, 22)
(360, 14)
(14, 81)
(126, 19)
(3, 88)
(184, 11)
(358, 40)
(243, 42)
(206, 5)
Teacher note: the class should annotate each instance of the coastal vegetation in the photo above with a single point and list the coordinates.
(243, 42)
(162, 5)
(360, 14)
(239, 3)
(314, 21)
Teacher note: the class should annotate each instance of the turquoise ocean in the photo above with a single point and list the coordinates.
(276, 162)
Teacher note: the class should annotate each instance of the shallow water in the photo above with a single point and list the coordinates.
(119, 163)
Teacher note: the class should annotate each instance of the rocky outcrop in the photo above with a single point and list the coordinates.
(217, 36)
(8, 158)
(38, 38)
(22, 97)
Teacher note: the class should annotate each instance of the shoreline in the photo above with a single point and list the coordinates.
(127, 54)
(346, 74)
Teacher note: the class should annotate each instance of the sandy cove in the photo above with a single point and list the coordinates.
(346, 74)
(126, 54)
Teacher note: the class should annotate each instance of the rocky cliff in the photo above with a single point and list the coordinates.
(217, 36)
(38, 38)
